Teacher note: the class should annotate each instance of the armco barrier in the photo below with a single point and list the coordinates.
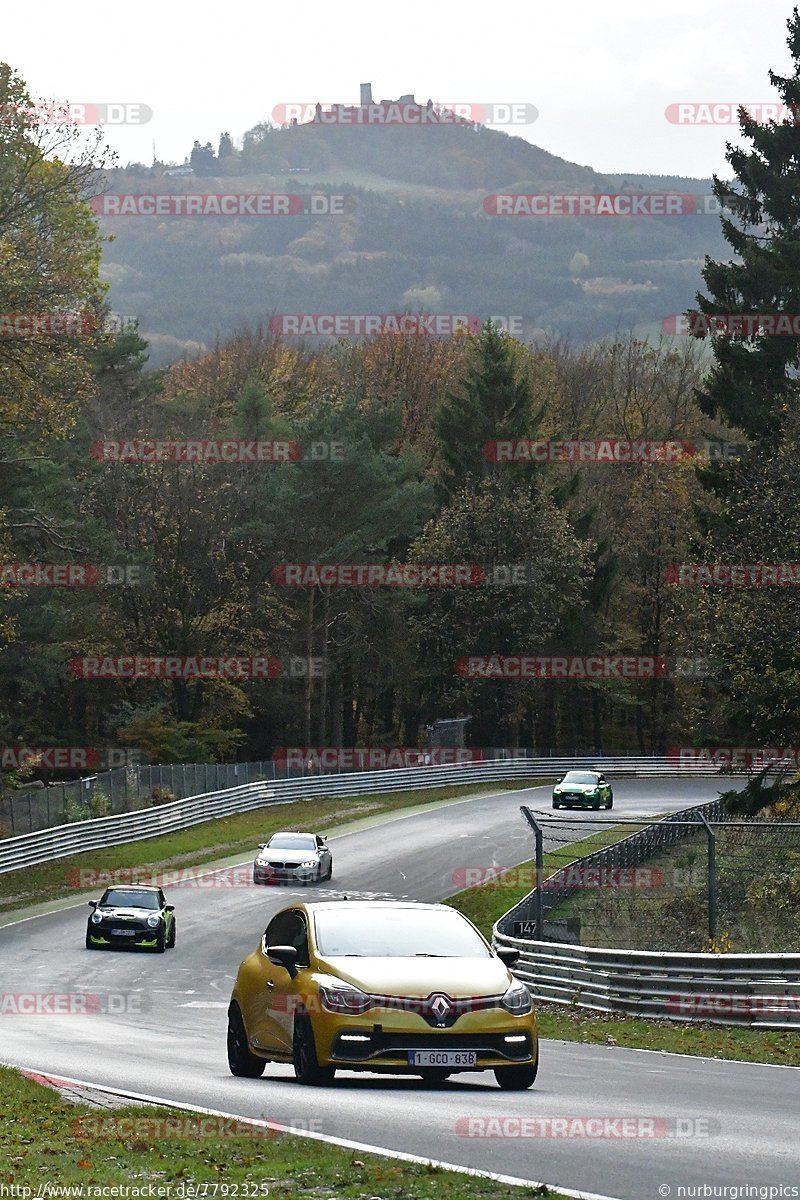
(44, 845)
(758, 990)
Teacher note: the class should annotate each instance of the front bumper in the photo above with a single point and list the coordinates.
(275, 875)
(380, 1041)
(578, 801)
(144, 938)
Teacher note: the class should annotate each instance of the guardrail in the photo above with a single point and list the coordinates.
(42, 846)
(130, 788)
(757, 990)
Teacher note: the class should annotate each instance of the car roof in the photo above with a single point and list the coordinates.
(132, 887)
(292, 833)
(360, 905)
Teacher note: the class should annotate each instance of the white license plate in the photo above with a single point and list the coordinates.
(124, 932)
(442, 1058)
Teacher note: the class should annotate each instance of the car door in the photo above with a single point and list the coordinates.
(288, 995)
(268, 997)
(325, 856)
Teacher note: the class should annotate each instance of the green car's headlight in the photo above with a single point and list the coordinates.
(96, 917)
(153, 920)
(517, 1000)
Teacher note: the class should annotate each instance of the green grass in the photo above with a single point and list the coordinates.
(220, 838)
(42, 1138)
(484, 905)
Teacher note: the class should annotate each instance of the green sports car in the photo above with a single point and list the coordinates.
(131, 916)
(583, 789)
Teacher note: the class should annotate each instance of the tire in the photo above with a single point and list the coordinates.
(304, 1056)
(556, 805)
(242, 1063)
(330, 870)
(610, 803)
(89, 943)
(161, 944)
(516, 1079)
(172, 935)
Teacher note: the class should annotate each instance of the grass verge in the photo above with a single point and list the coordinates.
(485, 905)
(44, 1139)
(219, 838)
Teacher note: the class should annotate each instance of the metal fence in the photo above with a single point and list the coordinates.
(128, 789)
(643, 905)
(25, 849)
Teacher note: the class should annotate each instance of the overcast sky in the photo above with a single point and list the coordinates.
(600, 74)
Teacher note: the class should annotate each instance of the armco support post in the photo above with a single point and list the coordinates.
(712, 878)
(537, 832)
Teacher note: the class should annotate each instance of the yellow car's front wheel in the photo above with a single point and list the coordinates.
(240, 1059)
(304, 1055)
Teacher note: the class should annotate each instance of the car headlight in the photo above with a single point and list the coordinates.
(96, 917)
(153, 920)
(344, 998)
(312, 862)
(517, 1000)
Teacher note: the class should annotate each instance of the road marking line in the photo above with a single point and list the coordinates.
(346, 1143)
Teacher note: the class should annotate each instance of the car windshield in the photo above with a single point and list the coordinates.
(579, 777)
(400, 933)
(130, 898)
(292, 841)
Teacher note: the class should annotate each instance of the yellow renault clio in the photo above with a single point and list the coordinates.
(384, 986)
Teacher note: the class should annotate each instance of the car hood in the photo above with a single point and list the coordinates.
(287, 856)
(420, 976)
(577, 787)
(121, 913)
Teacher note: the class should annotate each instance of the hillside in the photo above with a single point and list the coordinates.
(413, 234)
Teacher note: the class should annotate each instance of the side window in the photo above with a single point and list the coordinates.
(289, 929)
(320, 843)
(277, 931)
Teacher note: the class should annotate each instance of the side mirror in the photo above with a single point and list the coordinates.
(283, 956)
(262, 845)
(169, 908)
(92, 903)
(507, 955)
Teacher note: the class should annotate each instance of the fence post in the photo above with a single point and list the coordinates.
(537, 899)
(712, 878)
